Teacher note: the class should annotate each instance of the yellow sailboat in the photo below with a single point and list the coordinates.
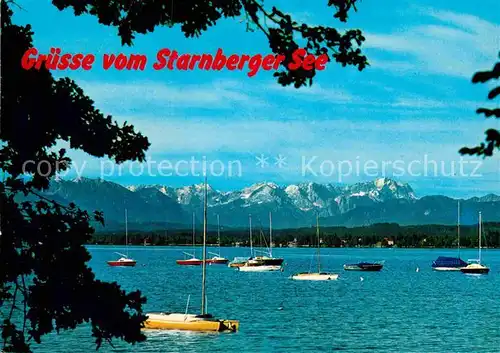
(192, 322)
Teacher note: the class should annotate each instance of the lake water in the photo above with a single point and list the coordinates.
(395, 310)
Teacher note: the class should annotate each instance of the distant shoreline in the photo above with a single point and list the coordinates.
(288, 247)
(384, 235)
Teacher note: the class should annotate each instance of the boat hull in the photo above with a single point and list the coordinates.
(172, 322)
(237, 264)
(260, 268)
(477, 271)
(122, 263)
(190, 262)
(265, 262)
(315, 277)
(442, 269)
(218, 261)
(364, 267)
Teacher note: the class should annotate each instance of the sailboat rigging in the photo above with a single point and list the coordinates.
(318, 276)
(124, 260)
(192, 322)
(475, 266)
(241, 261)
(264, 263)
(218, 259)
(193, 261)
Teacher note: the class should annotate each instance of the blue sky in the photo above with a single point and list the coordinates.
(414, 103)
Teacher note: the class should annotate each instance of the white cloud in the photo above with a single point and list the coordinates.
(460, 45)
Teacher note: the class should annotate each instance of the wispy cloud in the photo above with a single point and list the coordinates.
(334, 140)
(235, 134)
(458, 46)
(154, 94)
(316, 92)
(418, 102)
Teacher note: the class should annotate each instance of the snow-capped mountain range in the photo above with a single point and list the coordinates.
(295, 205)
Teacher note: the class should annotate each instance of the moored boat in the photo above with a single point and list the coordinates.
(124, 260)
(190, 322)
(321, 276)
(265, 261)
(193, 261)
(318, 276)
(364, 266)
(446, 263)
(475, 266)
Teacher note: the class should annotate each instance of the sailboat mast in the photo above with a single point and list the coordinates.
(480, 221)
(126, 232)
(270, 235)
(319, 243)
(204, 264)
(251, 245)
(218, 232)
(194, 236)
(458, 228)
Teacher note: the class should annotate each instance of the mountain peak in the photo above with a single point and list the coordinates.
(293, 205)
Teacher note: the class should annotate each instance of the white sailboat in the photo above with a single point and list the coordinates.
(192, 261)
(316, 276)
(475, 266)
(124, 260)
(193, 322)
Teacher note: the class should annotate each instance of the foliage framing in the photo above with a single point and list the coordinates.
(492, 140)
(45, 283)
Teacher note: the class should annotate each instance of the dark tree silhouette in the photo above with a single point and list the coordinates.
(45, 283)
(492, 140)
(195, 17)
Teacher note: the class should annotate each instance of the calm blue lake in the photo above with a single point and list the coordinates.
(395, 310)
